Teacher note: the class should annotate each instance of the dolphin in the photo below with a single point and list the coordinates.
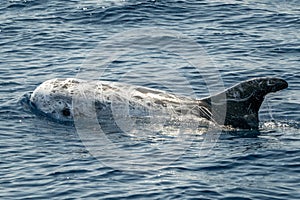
(237, 107)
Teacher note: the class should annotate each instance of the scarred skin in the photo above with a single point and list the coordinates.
(236, 107)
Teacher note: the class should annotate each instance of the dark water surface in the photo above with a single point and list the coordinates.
(40, 40)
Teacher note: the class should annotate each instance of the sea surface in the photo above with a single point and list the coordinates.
(188, 47)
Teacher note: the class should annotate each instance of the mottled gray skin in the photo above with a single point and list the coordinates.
(236, 107)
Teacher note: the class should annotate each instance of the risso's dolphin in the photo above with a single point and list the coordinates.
(236, 107)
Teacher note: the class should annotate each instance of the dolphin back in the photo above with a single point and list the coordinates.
(236, 107)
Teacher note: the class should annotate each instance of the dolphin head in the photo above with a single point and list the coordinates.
(53, 98)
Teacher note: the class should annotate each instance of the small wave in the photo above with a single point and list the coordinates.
(284, 125)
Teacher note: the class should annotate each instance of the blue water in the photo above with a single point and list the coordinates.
(40, 40)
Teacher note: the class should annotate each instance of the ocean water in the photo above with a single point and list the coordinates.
(192, 48)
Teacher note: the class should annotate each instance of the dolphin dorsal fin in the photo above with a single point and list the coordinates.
(241, 102)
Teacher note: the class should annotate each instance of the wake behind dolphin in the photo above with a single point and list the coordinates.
(236, 107)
